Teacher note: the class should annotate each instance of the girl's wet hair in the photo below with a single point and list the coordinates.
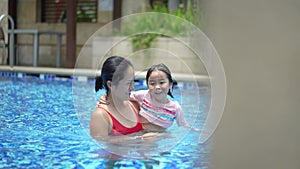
(115, 68)
(165, 69)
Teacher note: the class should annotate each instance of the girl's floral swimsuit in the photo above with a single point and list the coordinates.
(157, 113)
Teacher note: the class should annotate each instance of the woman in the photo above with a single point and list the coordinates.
(115, 116)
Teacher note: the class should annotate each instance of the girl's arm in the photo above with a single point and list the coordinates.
(138, 95)
(180, 119)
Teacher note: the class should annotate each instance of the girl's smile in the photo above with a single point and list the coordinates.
(159, 86)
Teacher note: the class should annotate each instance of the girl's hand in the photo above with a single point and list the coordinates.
(195, 129)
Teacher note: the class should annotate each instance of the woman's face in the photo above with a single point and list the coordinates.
(121, 89)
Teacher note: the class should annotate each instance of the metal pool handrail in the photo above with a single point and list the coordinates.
(11, 38)
(36, 33)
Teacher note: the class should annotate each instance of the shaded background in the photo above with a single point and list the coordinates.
(259, 45)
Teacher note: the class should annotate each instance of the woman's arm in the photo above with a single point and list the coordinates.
(100, 125)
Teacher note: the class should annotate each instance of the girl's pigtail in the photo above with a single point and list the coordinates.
(174, 84)
(170, 94)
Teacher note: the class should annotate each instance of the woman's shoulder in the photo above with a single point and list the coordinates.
(101, 111)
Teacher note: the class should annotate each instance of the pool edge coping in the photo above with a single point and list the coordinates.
(200, 79)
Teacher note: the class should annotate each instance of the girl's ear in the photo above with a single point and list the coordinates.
(171, 85)
(108, 84)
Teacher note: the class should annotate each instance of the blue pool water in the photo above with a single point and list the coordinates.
(44, 124)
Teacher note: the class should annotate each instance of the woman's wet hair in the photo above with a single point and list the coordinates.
(165, 69)
(114, 68)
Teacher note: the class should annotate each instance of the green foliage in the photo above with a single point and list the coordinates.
(143, 41)
(149, 26)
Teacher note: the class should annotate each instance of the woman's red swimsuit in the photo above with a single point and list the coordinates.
(118, 128)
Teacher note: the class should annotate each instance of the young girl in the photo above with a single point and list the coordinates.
(157, 111)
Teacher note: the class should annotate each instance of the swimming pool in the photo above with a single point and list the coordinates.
(44, 124)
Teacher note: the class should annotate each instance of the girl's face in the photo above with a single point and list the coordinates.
(159, 86)
(121, 90)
